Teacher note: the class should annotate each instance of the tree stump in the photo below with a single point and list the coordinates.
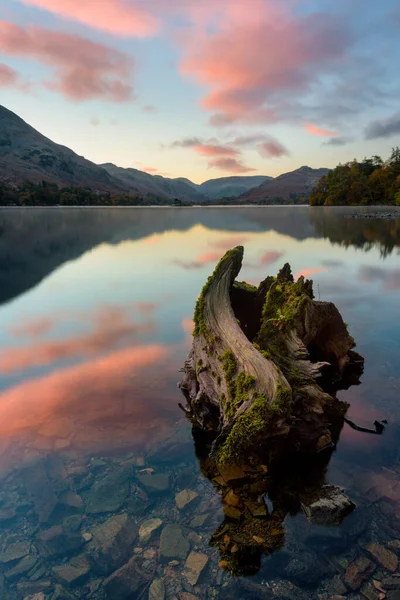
(265, 365)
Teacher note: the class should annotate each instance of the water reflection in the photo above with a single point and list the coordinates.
(95, 323)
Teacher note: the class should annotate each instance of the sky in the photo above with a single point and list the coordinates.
(207, 89)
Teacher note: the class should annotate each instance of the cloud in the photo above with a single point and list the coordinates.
(120, 17)
(270, 257)
(149, 108)
(338, 141)
(94, 122)
(213, 150)
(315, 130)
(199, 262)
(272, 148)
(250, 86)
(83, 70)
(383, 128)
(308, 272)
(390, 278)
(150, 169)
(231, 165)
(8, 77)
(112, 327)
(230, 242)
(187, 143)
(34, 328)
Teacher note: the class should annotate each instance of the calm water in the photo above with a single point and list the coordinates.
(95, 321)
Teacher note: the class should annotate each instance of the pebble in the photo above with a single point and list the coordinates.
(194, 566)
(184, 498)
(87, 536)
(386, 558)
(147, 528)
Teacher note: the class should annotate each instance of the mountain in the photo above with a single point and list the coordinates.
(27, 155)
(296, 184)
(230, 187)
(155, 184)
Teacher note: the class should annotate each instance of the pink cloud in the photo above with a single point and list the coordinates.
(8, 76)
(35, 327)
(308, 272)
(208, 257)
(270, 257)
(114, 16)
(229, 164)
(249, 85)
(112, 327)
(315, 130)
(213, 150)
(83, 69)
(150, 108)
(150, 169)
(230, 242)
(272, 148)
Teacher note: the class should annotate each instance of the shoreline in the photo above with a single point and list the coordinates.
(376, 207)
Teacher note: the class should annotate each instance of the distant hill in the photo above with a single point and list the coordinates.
(230, 187)
(296, 184)
(26, 154)
(161, 186)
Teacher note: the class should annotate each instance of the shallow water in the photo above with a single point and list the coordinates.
(95, 323)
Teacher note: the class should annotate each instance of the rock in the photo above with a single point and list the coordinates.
(370, 592)
(386, 558)
(126, 582)
(187, 596)
(184, 498)
(109, 494)
(155, 484)
(358, 572)
(57, 542)
(73, 573)
(157, 590)
(173, 543)
(194, 566)
(305, 569)
(39, 596)
(6, 514)
(391, 583)
(147, 528)
(71, 501)
(393, 595)
(61, 593)
(87, 537)
(337, 586)
(329, 508)
(199, 520)
(232, 473)
(41, 491)
(394, 545)
(24, 566)
(232, 499)
(112, 543)
(32, 587)
(232, 513)
(257, 509)
(14, 551)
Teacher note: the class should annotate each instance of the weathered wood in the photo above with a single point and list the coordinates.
(269, 378)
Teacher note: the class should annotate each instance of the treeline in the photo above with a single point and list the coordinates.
(369, 182)
(49, 194)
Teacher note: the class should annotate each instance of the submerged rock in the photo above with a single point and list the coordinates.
(147, 528)
(173, 543)
(126, 582)
(112, 544)
(386, 558)
(184, 498)
(194, 566)
(329, 506)
(154, 484)
(14, 551)
(157, 590)
(109, 494)
(73, 573)
(358, 572)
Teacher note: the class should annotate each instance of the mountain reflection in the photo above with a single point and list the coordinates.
(34, 242)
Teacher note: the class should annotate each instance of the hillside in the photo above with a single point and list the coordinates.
(296, 184)
(155, 184)
(27, 155)
(231, 187)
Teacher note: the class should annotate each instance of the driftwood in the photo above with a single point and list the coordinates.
(265, 365)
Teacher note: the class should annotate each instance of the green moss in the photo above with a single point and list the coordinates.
(200, 362)
(219, 379)
(229, 363)
(242, 285)
(251, 428)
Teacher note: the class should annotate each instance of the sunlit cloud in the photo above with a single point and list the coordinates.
(150, 108)
(389, 278)
(112, 327)
(83, 69)
(315, 130)
(272, 149)
(35, 327)
(309, 272)
(268, 258)
(232, 165)
(210, 150)
(225, 244)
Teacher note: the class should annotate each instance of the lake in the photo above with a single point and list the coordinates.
(101, 477)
